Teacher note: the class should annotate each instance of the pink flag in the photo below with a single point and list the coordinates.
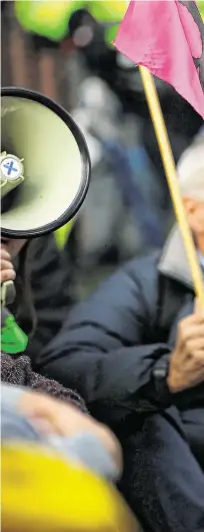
(167, 37)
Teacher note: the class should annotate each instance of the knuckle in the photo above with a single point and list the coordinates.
(6, 265)
(5, 255)
(8, 275)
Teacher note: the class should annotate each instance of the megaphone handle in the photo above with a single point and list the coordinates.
(8, 293)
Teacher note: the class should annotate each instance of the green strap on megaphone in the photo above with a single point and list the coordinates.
(13, 339)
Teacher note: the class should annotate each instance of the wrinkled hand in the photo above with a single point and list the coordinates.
(7, 269)
(186, 368)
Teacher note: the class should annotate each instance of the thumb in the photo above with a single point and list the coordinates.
(199, 307)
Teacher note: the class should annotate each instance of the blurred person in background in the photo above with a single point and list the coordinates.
(135, 351)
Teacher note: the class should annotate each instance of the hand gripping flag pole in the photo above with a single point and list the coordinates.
(166, 38)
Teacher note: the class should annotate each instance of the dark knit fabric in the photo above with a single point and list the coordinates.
(17, 370)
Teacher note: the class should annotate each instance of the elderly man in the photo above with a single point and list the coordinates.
(135, 351)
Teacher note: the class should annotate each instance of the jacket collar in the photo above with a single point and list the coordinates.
(173, 262)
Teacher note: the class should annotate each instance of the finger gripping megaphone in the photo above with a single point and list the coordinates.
(44, 164)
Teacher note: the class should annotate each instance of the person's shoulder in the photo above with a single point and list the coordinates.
(144, 267)
(138, 275)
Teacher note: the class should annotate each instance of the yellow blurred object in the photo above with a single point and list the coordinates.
(62, 235)
(42, 493)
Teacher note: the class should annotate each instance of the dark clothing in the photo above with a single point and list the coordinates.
(17, 370)
(108, 349)
(162, 480)
(110, 343)
(52, 292)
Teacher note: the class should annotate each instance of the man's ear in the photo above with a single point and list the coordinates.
(192, 210)
(190, 204)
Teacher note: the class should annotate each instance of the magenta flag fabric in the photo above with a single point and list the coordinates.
(167, 37)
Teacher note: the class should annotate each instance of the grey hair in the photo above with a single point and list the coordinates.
(191, 170)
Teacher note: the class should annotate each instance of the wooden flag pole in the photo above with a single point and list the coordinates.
(172, 179)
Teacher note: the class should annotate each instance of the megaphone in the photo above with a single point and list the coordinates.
(45, 153)
(44, 164)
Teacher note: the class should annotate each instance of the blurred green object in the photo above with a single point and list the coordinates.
(13, 339)
(50, 18)
(62, 235)
(200, 5)
(46, 18)
(110, 34)
(109, 13)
